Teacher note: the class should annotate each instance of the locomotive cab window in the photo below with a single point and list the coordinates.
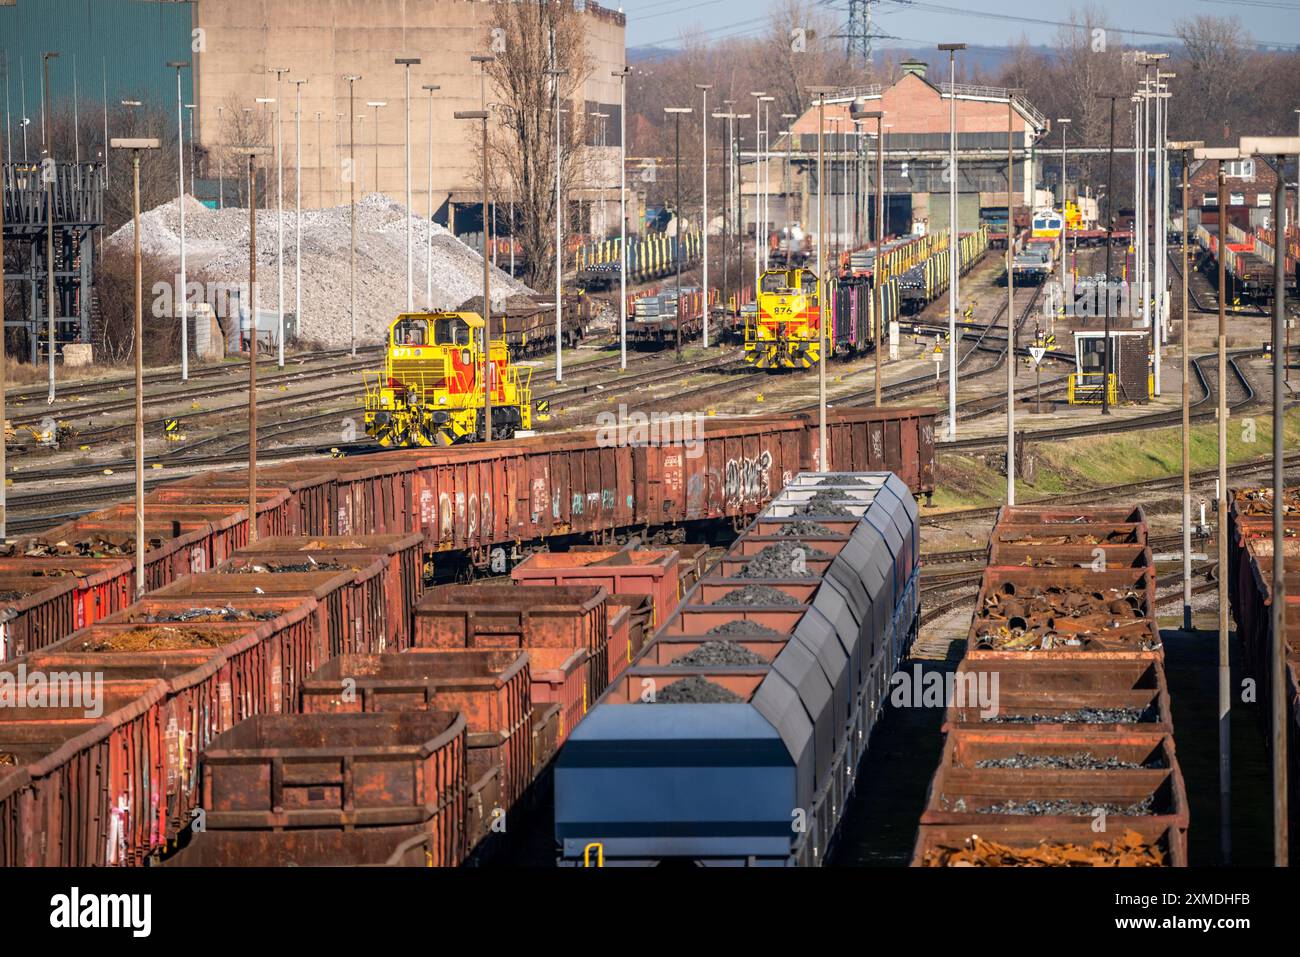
(451, 331)
(775, 282)
(411, 332)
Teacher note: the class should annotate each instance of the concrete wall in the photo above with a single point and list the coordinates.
(322, 40)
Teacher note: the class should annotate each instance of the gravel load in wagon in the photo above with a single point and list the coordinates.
(782, 560)
(695, 690)
(755, 595)
(161, 638)
(1080, 716)
(741, 626)
(208, 615)
(1078, 761)
(804, 528)
(1062, 806)
(718, 653)
(1128, 851)
(824, 503)
(262, 567)
(842, 478)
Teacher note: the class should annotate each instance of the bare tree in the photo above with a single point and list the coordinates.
(535, 38)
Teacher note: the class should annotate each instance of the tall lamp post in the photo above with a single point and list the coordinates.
(430, 88)
(1279, 147)
(135, 146)
(953, 272)
(1063, 121)
(758, 209)
(50, 177)
(1186, 147)
(297, 206)
(486, 334)
(1220, 155)
(555, 74)
(622, 217)
(252, 152)
(858, 114)
(180, 301)
(1012, 322)
(823, 451)
(704, 202)
(352, 215)
(406, 63)
(279, 72)
(376, 105)
(677, 112)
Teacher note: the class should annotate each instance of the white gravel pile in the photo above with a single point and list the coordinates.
(216, 250)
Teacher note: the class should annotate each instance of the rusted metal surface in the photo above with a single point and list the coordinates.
(490, 688)
(101, 585)
(642, 571)
(512, 616)
(1039, 844)
(36, 612)
(399, 768)
(371, 847)
(1066, 609)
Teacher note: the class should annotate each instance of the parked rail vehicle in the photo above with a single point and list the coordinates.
(430, 391)
(652, 256)
(1036, 260)
(1248, 261)
(710, 764)
(927, 280)
(1046, 224)
(527, 323)
(654, 319)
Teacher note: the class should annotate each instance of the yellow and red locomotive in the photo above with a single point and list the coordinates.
(785, 331)
(430, 391)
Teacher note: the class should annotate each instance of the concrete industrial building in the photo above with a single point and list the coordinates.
(321, 41)
(916, 125)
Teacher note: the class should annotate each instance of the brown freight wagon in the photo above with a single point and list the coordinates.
(311, 505)
(34, 612)
(274, 506)
(229, 524)
(490, 688)
(173, 549)
(342, 772)
(101, 586)
(511, 616)
(1040, 843)
(640, 571)
(367, 630)
(92, 779)
(335, 592)
(370, 847)
(403, 578)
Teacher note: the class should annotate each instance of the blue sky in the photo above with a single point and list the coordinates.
(986, 22)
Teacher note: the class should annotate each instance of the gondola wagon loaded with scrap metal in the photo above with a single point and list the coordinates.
(430, 390)
(735, 737)
(654, 320)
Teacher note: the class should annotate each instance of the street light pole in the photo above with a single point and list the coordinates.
(135, 146)
(1064, 121)
(622, 218)
(704, 202)
(352, 217)
(279, 72)
(677, 112)
(252, 152)
(297, 208)
(1110, 242)
(953, 240)
(181, 301)
(1279, 147)
(823, 452)
(430, 88)
(51, 175)
(758, 209)
(555, 73)
(407, 63)
(1012, 358)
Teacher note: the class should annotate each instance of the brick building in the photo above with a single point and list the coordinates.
(1250, 183)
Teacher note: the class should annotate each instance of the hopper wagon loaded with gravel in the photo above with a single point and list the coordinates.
(735, 736)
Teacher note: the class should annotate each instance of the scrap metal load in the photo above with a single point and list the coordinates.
(431, 388)
(735, 737)
(1059, 746)
(1250, 591)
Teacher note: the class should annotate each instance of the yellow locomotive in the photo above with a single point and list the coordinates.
(784, 332)
(430, 391)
